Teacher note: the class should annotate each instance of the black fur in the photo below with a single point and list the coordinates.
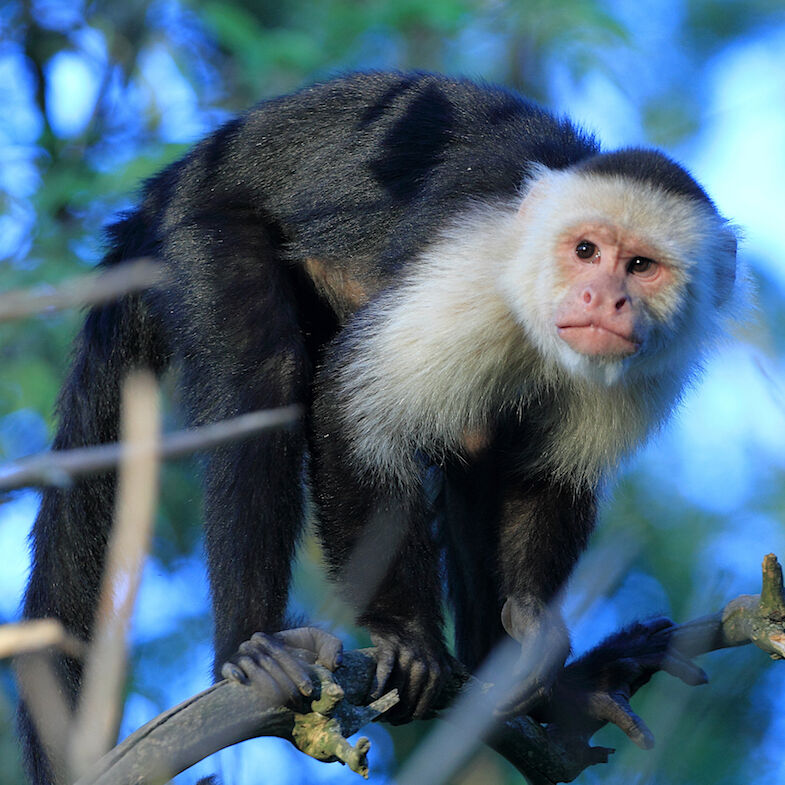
(275, 230)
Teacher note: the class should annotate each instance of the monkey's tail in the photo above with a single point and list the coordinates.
(69, 536)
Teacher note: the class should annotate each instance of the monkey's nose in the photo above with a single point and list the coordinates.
(601, 295)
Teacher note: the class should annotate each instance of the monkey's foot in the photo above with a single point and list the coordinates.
(414, 666)
(280, 665)
(597, 687)
(293, 669)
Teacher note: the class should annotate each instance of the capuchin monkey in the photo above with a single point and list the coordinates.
(454, 282)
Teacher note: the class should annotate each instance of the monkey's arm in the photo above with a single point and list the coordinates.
(544, 528)
(597, 687)
(377, 541)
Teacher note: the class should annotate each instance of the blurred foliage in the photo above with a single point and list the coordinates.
(60, 186)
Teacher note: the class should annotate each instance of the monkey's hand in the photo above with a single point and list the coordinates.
(278, 665)
(597, 687)
(545, 644)
(416, 665)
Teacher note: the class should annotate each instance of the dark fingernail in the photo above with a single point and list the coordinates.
(645, 740)
(237, 674)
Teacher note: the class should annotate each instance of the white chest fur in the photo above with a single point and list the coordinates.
(443, 354)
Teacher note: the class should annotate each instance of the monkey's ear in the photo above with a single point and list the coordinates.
(726, 266)
(536, 185)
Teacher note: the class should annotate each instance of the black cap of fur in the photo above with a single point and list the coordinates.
(648, 166)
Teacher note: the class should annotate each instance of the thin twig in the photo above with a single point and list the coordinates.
(98, 714)
(41, 690)
(61, 468)
(93, 289)
(35, 635)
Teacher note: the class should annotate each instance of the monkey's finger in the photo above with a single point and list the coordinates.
(523, 700)
(385, 662)
(234, 673)
(263, 669)
(296, 671)
(325, 648)
(537, 669)
(330, 653)
(415, 673)
(407, 680)
(233, 669)
(525, 694)
(433, 677)
(672, 662)
(682, 668)
(616, 709)
(329, 650)
(259, 659)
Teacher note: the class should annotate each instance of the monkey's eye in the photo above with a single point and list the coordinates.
(586, 250)
(640, 265)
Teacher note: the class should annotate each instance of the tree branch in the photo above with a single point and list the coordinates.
(92, 289)
(63, 467)
(229, 712)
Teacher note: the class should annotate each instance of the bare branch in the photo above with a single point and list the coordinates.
(98, 714)
(93, 289)
(43, 696)
(750, 618)
(230, 712)
(61, 468)
(28, 637)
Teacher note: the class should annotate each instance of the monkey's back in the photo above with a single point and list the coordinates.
(365, 167)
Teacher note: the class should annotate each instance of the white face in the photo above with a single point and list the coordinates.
(609, 273)
(613, 276)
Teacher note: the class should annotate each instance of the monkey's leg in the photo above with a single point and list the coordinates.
(242, 350)
(377, 540)
(253, 510)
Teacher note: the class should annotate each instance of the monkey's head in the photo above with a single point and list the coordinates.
(624, 267)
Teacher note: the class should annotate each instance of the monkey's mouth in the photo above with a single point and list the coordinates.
(597, 340)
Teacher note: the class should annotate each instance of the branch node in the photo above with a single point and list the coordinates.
(772, 596)
(759, 618)
(322, 733)
(321, 738)
(331, 695)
